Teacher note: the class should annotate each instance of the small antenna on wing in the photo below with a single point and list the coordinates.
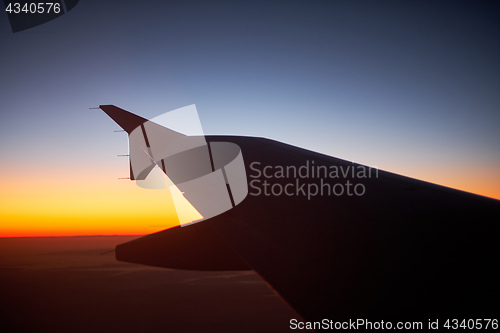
(124, 178)
(96, 108)
(119, 131)
(122, 155)
(113, 250)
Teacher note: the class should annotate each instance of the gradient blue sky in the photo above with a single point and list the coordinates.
(409, 87)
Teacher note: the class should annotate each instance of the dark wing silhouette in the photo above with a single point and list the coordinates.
(404, 249)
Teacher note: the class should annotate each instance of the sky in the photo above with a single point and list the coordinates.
(407, 87)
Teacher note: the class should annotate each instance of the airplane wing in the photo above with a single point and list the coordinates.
(344, 241)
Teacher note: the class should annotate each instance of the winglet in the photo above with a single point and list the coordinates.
(127, 120)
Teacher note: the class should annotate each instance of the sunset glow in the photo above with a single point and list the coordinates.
(60, 205)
